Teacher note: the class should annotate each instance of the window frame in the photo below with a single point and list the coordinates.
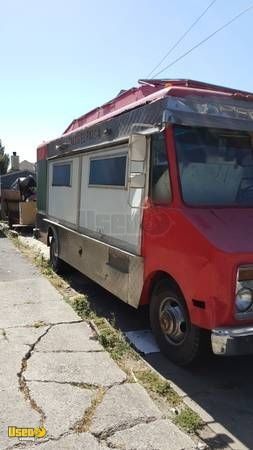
(202, 205)
(105, 156)
(63, 163)
(150, 184)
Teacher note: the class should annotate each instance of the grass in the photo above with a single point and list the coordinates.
(82, 306)
(39, 324)
(109, 337)
(83, 425)
(14, 238)
(189, 421)
(44, 265)
(155, 384)
(114, 342)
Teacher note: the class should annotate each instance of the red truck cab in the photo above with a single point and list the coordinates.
(198, 243)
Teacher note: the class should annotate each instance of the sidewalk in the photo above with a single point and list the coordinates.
(58, 376)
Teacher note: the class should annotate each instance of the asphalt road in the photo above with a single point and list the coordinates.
(222, 387)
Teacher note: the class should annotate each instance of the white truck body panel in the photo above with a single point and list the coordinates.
(105, 211)
(63, 200)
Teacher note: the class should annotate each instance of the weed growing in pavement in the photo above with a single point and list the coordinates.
(110, 338)
(82, 306)
(44, 265)
(155, 384)
(38, 258)
(16, 241)
(84, 424)
(189, 421)
(39, 324)
(47, 270)
(114, 342)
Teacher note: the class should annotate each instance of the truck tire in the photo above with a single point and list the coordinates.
(177, 338)
(58, 265)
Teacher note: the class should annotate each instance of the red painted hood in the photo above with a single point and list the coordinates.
(231, 230)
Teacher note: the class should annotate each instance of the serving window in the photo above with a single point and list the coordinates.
(108, 171)
(61, 175)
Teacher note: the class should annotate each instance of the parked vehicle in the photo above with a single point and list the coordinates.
(151, 196)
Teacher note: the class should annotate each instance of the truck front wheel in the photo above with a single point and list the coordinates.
(177, 338)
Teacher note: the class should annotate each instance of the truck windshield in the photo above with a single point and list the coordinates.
(215, 166)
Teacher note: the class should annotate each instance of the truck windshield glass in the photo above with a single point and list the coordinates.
(215, 166)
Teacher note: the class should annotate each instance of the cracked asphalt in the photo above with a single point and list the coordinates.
(54, 373)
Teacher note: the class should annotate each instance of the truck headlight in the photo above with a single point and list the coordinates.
(244, 291)
(243, 299)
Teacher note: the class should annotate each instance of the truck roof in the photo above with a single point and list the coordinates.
(146, 88)
(148, 91)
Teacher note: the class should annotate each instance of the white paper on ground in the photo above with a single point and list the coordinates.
(143, 340)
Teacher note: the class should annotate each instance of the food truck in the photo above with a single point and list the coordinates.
(151, 196)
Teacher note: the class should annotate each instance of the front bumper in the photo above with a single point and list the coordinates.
(232, 341)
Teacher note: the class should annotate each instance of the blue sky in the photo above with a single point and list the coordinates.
(60, 59)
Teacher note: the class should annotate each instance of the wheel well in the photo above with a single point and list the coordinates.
(151, 282)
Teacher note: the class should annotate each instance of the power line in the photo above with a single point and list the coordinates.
(182, 37)
(205, 40)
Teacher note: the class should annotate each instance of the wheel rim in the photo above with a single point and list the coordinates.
(173, 321)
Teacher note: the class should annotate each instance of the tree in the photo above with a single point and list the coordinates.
(4, 160)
